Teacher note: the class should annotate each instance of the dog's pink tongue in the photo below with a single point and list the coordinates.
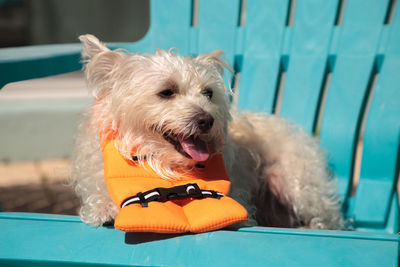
(195, 147)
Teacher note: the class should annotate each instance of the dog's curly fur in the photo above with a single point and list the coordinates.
(278, 172)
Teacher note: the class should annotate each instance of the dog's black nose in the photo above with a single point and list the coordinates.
(204, 121)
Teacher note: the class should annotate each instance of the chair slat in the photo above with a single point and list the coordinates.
(359, 37)
(263, 41)
(170, 27)
(381, 140)
(312, 30)
(218, 23)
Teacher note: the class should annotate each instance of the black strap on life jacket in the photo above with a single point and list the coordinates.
(161, 194)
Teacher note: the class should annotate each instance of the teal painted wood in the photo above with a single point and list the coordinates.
(391, 224)
(218, 23)
(359, 39)
(264, 36)
(381, 141)
(309, 47)
(381, 144)
(24, 63)
(170, 26)
(33, 240)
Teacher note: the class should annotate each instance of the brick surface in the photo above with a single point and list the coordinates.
(37, 187)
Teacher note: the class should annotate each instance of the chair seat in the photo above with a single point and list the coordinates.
(54, 239)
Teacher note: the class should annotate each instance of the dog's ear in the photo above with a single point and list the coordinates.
(100, 63)
(215, 59)
(91, 46)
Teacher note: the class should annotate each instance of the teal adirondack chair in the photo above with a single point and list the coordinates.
(332, 66)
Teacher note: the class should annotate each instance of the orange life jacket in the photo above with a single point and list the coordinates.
(127, 180)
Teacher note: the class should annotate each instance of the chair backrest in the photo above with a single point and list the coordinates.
(332, 66)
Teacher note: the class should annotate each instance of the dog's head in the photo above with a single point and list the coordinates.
(169, 108)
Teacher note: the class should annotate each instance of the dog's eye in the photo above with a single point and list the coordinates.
(167, 93)
(208, 93)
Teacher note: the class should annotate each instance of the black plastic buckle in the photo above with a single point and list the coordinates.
(179, 192)
(142, 200)
(193, 190)
(136, 158)
(172, 193)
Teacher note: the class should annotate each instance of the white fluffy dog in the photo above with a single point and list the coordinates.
(175, 111)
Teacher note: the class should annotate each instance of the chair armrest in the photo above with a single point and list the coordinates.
(29, 62)
(21, 63)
